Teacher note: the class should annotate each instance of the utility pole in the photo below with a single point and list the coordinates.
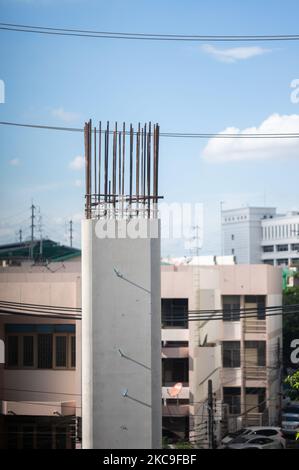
(71, 233)
(20, 235)
(211, 434)
(32, 221)
(40, 229)
(32, 226)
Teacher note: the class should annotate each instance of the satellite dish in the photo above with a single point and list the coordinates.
(174, 391)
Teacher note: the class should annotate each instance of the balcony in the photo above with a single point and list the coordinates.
(183, 395)
(175, 334)
(175, 410)
(255, 373)
(254, 326)
(178, 352)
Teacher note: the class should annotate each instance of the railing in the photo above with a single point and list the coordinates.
(255, 373)
(252, 325)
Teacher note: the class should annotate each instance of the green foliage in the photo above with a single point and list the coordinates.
(183, 445)
(165, 443)
(293, 382)
(291, 295)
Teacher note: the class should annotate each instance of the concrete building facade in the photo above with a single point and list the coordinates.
(260, 235)
(40, 380)
(240, 355)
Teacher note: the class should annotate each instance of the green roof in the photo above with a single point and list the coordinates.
(51, 251)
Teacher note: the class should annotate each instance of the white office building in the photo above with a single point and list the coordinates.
(259, 235)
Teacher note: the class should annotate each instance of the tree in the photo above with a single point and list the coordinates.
(293, 382)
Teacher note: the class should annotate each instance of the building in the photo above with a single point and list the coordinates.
(280, 240)
(40, 384)
(40, 381)
(259, 235)
(241, 355)
(242, 233)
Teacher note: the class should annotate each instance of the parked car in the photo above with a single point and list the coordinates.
(255, 442)
(292, 408)
(266, 431)
(290, 424)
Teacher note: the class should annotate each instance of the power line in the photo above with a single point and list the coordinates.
(180, 135)
(42, 306)
(145, 36)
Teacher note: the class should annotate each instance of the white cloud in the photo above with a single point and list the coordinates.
(14, 162)
(234, 149)
(63, 115)
(77, 163)
(234, 53)
(77, 217)
(78, 183)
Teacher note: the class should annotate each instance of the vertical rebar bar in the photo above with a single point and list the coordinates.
(95, 163)
(137, 165)
(131, 163)
(144, 165)
(149, 171)
(123, 162)
(114, 163)
(100, 157)
(119, 165)
(86, 147)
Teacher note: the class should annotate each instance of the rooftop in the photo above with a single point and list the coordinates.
(39, 250)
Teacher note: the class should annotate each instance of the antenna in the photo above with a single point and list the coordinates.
(40, 232)
(20, 235)
(174, 391)
(71, 233)
(32, 221)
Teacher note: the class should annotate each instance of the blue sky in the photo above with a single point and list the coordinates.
(183, 86)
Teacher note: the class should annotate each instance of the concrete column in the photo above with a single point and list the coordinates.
(121, 338)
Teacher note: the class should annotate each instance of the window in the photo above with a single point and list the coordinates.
(28, 352)
(231, 307)
(174, 344)
(174, 313)
(73, 351)
(175, 370)
(231, 353)
(282, 262)
(257, 302)
(255, 353)
(233, 251)
(45, 351)
(268, 261)
(61, 437)
(40, 346)
(233, 237)
(232, 398)
(268, 249)
(60, 351)
(282, 248)
(12, 351)
(28, 437)
(267, 432)
(295, 246)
